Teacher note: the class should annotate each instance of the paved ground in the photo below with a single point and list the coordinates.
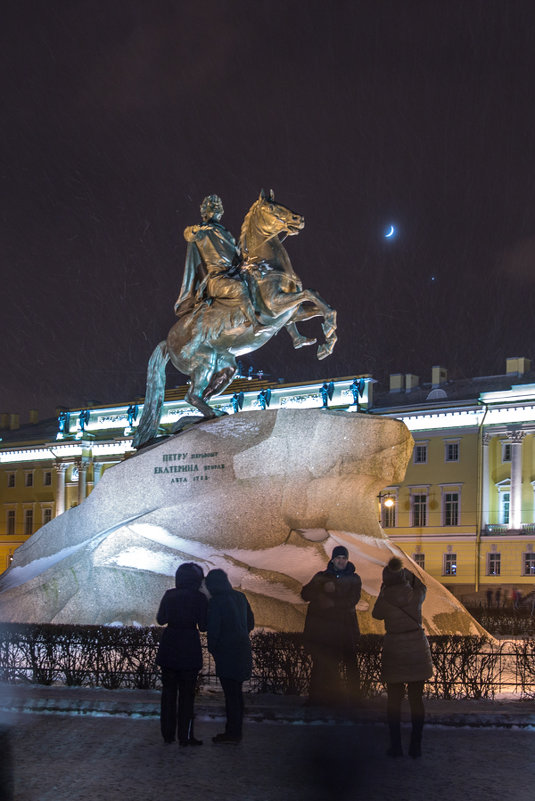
(76, 745)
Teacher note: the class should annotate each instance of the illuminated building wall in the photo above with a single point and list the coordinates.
(466, 509)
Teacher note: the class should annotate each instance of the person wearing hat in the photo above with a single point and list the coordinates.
(332, 630)
(184, 610)
(406, 658)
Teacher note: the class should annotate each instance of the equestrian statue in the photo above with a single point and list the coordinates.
(234, 298)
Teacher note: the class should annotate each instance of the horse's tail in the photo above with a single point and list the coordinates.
(152, 407)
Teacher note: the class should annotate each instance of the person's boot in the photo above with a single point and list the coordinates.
(415, 747)
(395, 749)
(191, 737)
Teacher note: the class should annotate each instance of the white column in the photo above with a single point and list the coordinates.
(82, 480)
(61, 469)
(515, 516)
(97, 472)
(485, 488)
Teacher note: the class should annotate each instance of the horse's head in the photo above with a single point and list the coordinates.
(265, 220)
(277, 218)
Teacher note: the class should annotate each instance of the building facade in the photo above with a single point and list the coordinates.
(465, 511)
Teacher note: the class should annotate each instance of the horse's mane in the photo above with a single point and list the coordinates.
(245, 227)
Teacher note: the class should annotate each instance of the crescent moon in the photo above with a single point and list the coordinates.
(390, 233)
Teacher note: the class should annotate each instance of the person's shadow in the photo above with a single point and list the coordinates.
(334, 761)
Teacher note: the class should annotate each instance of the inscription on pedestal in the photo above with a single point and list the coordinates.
(185, 467)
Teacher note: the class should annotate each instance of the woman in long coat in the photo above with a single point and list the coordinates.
(184, 610)
(406, 658)
(230, 619)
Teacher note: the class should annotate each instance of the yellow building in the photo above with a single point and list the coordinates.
(465, 511)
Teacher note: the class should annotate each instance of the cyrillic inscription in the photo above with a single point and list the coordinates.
(188, 464)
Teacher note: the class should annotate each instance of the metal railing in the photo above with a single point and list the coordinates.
(491, 529)
(464, 667)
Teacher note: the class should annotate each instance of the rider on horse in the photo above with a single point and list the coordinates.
(212, 269)
(216, 317)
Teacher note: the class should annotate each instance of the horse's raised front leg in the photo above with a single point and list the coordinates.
(329, 322)
(298, 340)
(326, 348)
(282, 302)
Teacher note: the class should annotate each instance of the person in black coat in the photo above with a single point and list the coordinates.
(406, 657)
(184, 610)
(230, 619)
(332, 630)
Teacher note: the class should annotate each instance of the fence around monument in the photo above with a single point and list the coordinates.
(124, 657)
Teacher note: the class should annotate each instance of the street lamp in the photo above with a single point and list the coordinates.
(386, 501)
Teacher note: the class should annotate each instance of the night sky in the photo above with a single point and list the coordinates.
(119, 116)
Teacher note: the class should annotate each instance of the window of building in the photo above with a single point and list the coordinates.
(494, 564)
(419, 509)
(419, 558)
(47, 478)
(47, 516)
(28, 479)
(388, 512)
(528, 564)
(420, 453)
(11, 521)
(450, 511)
(450, 564)
(451, 451)
(28, 522)
(506, 451)
(11, 479)
(505, 505)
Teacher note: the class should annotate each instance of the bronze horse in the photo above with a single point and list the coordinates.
(204, 343)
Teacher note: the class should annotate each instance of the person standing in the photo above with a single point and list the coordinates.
(331, 629)
(406, 657)
(184, 612)
(230, 619)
